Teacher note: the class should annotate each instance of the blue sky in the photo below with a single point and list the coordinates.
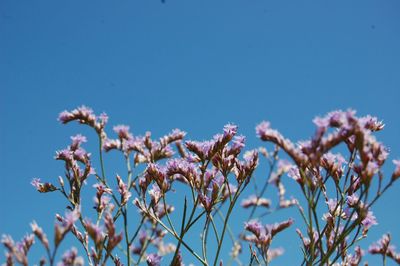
(195, 65)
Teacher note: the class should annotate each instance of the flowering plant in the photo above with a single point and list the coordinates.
(338, 173)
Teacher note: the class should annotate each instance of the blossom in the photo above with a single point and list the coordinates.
(372, 123)
(123, 132)
(201, 149)
(155, 193)
(36, 183)
(369, 220)
(253, 200)
(352, 200)
(113, 238)
(396, 173)
(175, 135)
(333, 163)
(206, 201)
(95, 232)
(42, 187)
(123, 189)
(153, 260)
(182, 167)
(230, 130)
(294, 173)
(38, 232)
(262, 129)
(275, 252)
(84, 115)
(103, 118)
(383, 247)
(253, 226)
(238, 144)
(70, 257)
(111, 144)
(265, 133)
(20, 249)
(284, 166)
(77, 140)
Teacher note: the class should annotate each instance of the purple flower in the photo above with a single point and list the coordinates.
(42, 187)
(123, 190)
(175, 135)
(80, 154)
(352, 200)
(321, 122)
(238, 144)
(369, 220)
(70, 257)
(337, 118)
(38, 231)
(371, 169)
(273, 253)
(371, 123)
(103, 118)
(254, 201)
(64, 116)
(230, 130)
(64, 154)
(206, 202)
(396, 173)
(153, 260)
(155, 193)
(95, 232)
(294, 173)
(201, 149)
(253, 226)
(123, 132)
(332, 205)
(77, 140)
(36, 183)
(84, 110)
(284, 166)
(71, 217)
(262, 129)
(111, 144)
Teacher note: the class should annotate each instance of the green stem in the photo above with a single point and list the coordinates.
(127, 237)
(204, 239)
(225, 225)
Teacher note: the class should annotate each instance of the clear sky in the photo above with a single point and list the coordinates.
(195, 65)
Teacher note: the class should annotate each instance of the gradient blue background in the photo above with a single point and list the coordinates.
(195, 65)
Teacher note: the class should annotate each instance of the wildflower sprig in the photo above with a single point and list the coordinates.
(316, 169)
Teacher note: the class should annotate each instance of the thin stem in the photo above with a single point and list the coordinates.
(214, 227)
(204, 239)
(145, 245)
(182, 232)
(264, 188)
(103, 172)
(231, 205)
(127, 237)
(137, 230)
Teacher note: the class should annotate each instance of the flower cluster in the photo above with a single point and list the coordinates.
(385, 249)
(262, 237)
(318, 171)
(338, 172)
